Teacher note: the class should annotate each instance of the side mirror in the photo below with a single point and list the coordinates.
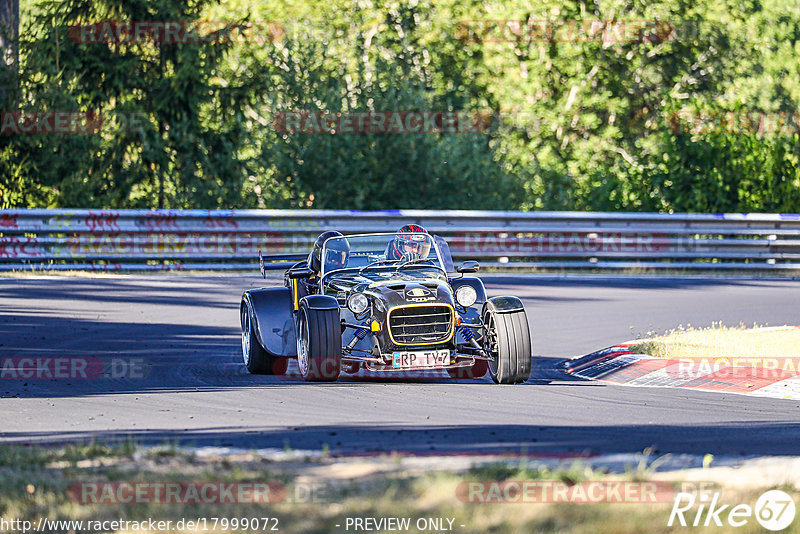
(470, 266)
(304, 272)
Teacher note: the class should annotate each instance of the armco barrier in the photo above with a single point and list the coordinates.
(230, 239)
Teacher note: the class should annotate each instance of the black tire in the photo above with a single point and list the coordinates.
(256, 359)
(509, 341)
(319, 343)
(476, 370)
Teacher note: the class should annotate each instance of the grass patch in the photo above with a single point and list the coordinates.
(22, 457)
(34, 483)
(722, 342)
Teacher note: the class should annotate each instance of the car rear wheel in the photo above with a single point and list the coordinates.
(256, 359)
(508, 341)
(319, 344)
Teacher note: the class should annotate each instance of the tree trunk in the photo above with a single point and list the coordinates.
(9, 48)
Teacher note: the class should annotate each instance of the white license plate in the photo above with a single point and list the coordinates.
(423, 358)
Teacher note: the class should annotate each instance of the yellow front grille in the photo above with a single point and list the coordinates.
(421, 324)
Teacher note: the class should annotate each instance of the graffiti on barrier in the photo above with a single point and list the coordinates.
(102, 221)
(8, 220)
(181, 243)
(159, 221)
(220, 221)
(20, 247)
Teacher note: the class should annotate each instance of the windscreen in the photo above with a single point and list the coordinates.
(387, 250)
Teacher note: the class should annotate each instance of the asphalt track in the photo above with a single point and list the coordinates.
(184, 330)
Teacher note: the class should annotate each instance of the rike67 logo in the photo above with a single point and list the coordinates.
(774, 510)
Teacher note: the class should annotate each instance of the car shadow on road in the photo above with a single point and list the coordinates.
(46, 355)
(742, 438)
(47, 293)
(43, 355)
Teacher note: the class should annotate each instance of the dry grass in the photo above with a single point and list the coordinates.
(34, 483)
(749, 346)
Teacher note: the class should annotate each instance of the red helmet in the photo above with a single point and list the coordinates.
(411, 240)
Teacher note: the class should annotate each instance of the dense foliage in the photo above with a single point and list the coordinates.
(655, 105)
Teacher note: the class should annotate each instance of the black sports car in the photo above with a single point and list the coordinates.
(388, 303)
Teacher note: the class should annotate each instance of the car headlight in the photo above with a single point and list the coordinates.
(358, 303)
(466, 296)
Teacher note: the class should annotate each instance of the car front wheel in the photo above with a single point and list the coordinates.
(319, 344)
(508, 340)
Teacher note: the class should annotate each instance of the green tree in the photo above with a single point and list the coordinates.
(172, 129)
(582, 96)
(381, 65)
